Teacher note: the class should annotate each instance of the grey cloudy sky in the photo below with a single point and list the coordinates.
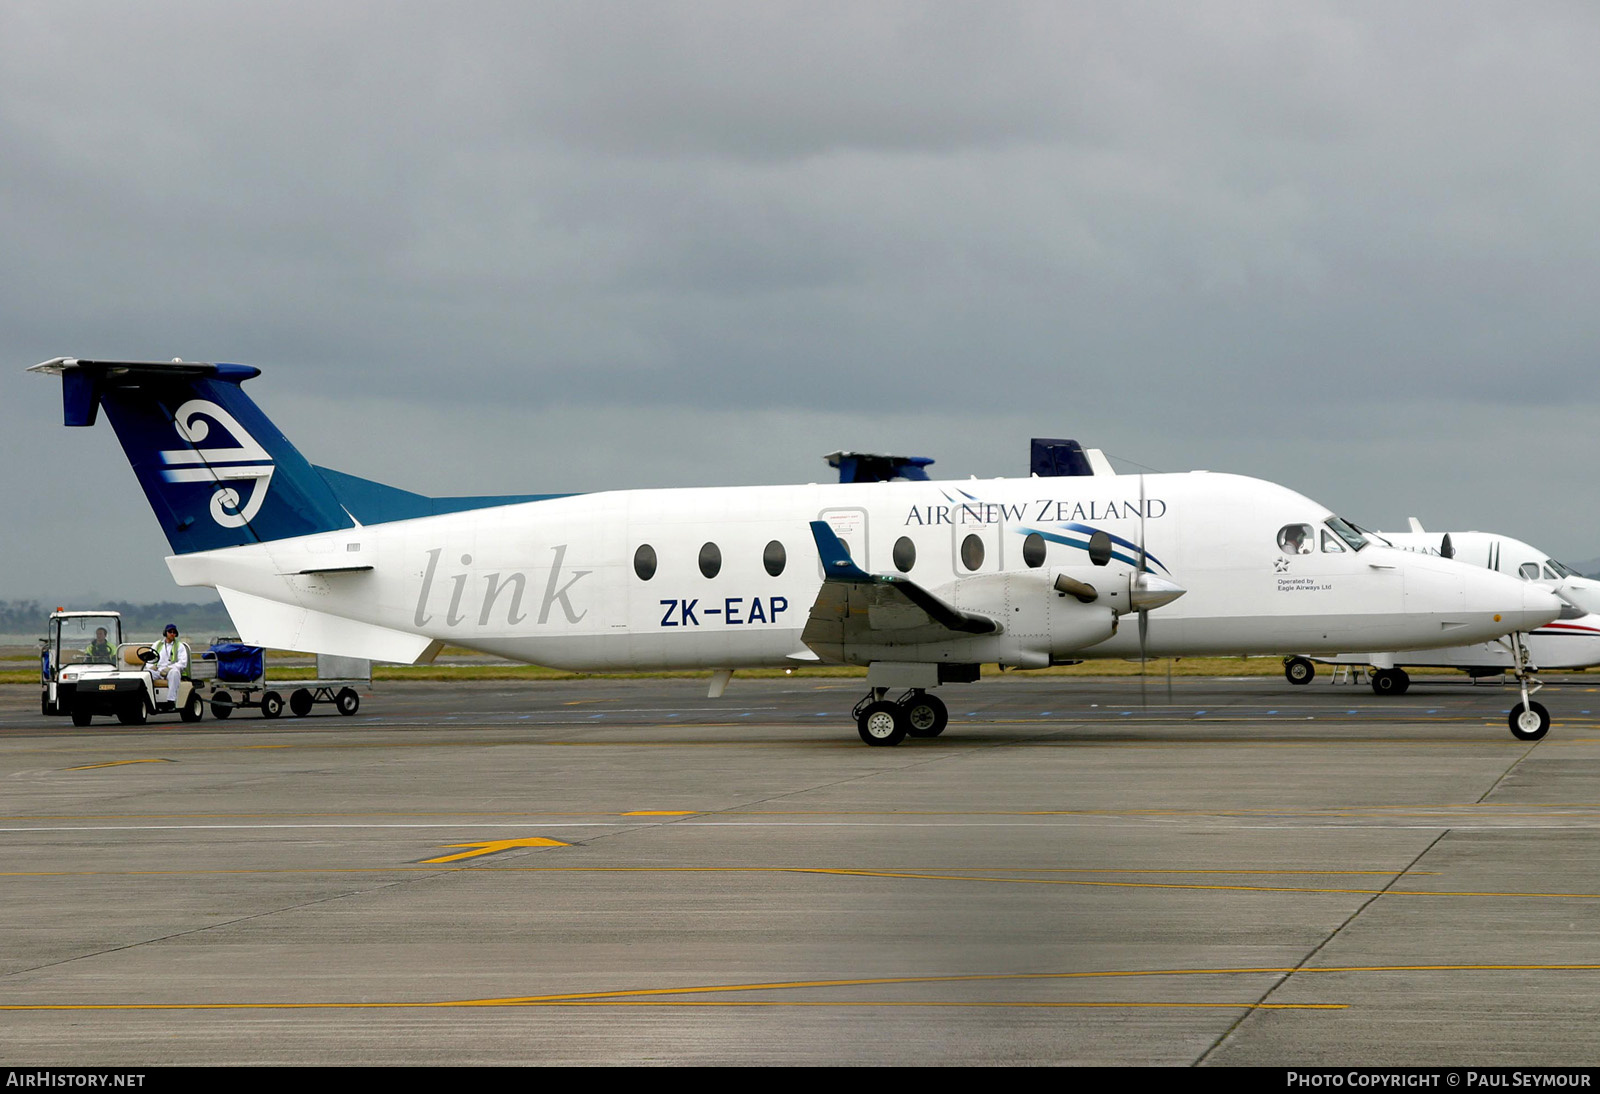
(487, 247)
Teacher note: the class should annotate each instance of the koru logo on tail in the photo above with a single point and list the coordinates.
(226, 468)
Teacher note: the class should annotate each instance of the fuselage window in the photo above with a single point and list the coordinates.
(1033, 550)
(644, 562)
(905, 554)
(1331, 544)
(1296, 539)
(774, 558)
(972, 552)
(1528, 570)
(710, 560)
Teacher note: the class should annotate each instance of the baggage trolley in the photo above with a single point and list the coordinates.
(240, 682)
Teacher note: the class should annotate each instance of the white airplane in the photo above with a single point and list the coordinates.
(920, 581)
(1570, 641)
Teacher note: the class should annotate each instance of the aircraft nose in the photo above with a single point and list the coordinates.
(1539, 606)
(1498, 602)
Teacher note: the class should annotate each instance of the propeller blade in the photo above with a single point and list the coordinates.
(1144, 613)
(1144, 657)
(1141, 524)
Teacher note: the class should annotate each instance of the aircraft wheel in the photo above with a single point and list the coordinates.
(882, 723)
(1298, 670)
(81, 717)
(131, 713)
(271, 704)
(194, 709)
(300, 702)
(1529, 723)
(221, 704)
(1390, 682)
(926, 715)
(347, 701)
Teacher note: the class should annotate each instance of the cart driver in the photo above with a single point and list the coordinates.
(172, 661)
(99, 651)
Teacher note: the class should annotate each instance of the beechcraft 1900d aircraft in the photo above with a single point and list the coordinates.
(921, 581)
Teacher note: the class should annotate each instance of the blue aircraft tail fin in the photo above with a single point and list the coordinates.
(1053, 457)
(216, 471)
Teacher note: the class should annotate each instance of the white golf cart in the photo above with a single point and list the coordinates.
(87, 669)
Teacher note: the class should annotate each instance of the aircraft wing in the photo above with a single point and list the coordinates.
(854, 606)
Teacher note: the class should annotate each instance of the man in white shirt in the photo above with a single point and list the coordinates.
(172, 661)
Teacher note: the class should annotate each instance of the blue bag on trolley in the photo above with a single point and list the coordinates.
(239, 664)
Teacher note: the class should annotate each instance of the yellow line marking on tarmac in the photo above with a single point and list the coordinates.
(490, 847)
(659, 813)
(1042, 1004)
(680, 869)
(467, 817)
(117, 763)
(1531, 809)
(1504, 808)
(900, 875)
(1177, 885)
(641, 995)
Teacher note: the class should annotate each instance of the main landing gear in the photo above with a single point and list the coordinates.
(1299, 670)
(1390, 681)
(917, 713)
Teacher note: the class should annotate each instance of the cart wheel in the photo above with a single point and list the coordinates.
(221, 704)
(81, 717)
(300, 702)
(194, 709)
(271, 704)
(347, 701)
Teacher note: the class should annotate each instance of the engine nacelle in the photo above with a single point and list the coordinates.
(1040, 624)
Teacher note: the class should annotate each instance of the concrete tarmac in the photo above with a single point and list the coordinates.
(625, 872)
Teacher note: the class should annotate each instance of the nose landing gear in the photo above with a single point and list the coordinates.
(1529, 721)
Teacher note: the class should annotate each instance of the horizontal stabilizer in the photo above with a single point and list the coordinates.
(268, 623)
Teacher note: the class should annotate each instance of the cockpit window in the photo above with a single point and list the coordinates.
(1331, 544)
(1348, 532)
(1564, 571)
(1366, 533)
(1529, 571)
(1550, 575)
(1296, 539)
